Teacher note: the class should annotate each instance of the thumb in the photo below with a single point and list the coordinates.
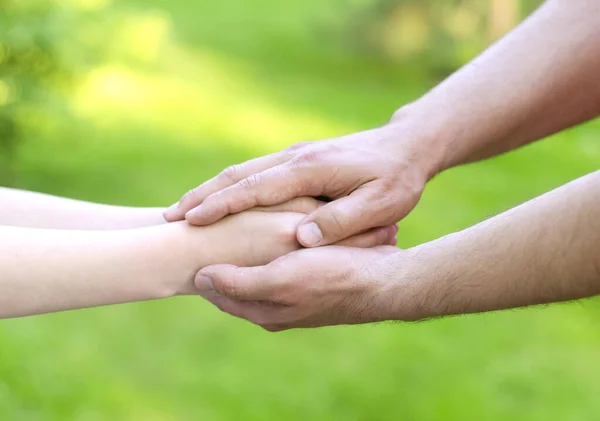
(252, 283)
(343, 218)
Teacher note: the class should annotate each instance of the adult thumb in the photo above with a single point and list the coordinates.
(341, 219)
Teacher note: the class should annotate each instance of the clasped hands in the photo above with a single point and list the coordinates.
(344, 275)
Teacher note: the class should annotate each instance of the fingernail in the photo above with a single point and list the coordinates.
(395, 229)
(204, 283)
(393, 241)
(310, 234)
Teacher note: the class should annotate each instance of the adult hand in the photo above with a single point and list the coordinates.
(309, 288)
(374, 179)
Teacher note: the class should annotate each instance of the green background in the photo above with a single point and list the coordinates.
(141, 101)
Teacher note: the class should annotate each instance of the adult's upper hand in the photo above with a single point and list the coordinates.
(313, 287)
(374, 178)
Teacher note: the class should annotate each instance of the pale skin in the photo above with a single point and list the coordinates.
(539, 79)
(81, 254)
(36, 210)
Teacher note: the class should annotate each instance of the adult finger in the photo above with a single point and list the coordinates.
(270, 187)
(304, 205)
(226, 178)
(234, 307)
(252, 283)
(365, 208)
(261, 313)
(374, 237)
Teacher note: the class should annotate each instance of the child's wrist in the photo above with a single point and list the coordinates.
(157, 265)
(179, 251)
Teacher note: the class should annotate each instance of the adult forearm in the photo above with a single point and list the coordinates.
(44, 271)
(543, 251)
(36, 210)
(539, 79)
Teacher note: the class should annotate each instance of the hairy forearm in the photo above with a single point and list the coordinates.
(539, 79)
(50, 270)
(36, 210)
(543, 251)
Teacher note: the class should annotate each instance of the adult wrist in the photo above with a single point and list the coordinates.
(417, 283)
(394, 290)
(425, 138)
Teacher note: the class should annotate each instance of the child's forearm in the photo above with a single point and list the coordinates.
(36, 210)
(44, 271)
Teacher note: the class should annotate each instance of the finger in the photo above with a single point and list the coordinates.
(393, 239)
(374, 237)
(304, 205)
(258, 312)
(271, 187)
(248, 310)
(226, 178)
(233, 307)
(254, 283)
(344, 217)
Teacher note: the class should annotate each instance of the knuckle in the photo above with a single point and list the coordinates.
(415, 188)
(251, 181)
(290, 294)
(398, 197)
(387, 197)
(227, 287)
(386, 185)
(231, 174)
(389, 203)
(308, 156)
(283, 296)
(339, 222)
(298, 146)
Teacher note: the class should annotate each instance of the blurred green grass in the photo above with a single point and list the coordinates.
(203, 85)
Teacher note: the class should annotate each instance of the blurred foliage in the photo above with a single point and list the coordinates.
(30, 67)
(31, 71)
(46, 44)
(439, 35)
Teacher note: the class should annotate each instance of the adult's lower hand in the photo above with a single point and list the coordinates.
(309, 288)
(374, 179)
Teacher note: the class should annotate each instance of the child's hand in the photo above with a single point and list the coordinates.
(252, 238)
(259, 236)
(370, 238)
